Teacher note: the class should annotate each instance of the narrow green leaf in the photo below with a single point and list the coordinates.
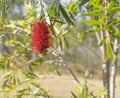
(80, 36)
(103, 41)
(92, 14)
(65, 14)
(93, 31)
(109, 52)
(9, 74)
(73, 7)
(66, 42)
(94, 1)
(52, 28)
(113, 22)
(60, 42)
(93, 22)
(71, 15)
(30, 75)
(111, 5)
(12, 86)
(51, 7)
(74, 95)
(101, 7)
(115, 9)
(4, 8)
(117, 33)
(83, 93)
(83, 2)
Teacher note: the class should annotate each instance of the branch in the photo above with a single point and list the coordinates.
(102, 61)
(62, 62)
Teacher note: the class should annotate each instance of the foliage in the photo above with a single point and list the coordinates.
(17, 58)
(3, 8)
(98, 23)
(14, 81)
(83, 89)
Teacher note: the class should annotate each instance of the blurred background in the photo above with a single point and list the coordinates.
(81, 57)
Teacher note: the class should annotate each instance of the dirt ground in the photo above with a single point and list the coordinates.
(61, 86)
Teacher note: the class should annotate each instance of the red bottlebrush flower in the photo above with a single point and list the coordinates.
(41, 38)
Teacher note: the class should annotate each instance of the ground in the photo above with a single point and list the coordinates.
(61, 86)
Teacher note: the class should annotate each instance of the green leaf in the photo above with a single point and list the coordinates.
(52, 28)
(93, 31)
(93, 22)
(30, 75)
(83, 2)
(73, 7)
(71, 15)
(74, 95)
(115, 9)
(92, 14)
(109, 52)
(83, 93)
(91, 2)
(19, 96)
(9, 74)
(12, 86)
(60, 42)
(87, 74)
(66, 42)
(98, 6)
(111, 5)
(3, 8)
(101, 92)
(51, 9)
(65, 14)
(113, 22)
(103, 41)
(117, 33)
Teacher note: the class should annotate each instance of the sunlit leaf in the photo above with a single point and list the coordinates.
(93, 31)
(9, 74)
(117, 33)
(93, 22)
(103, 41)
(73, 7)
(12, 86)
(109, 52)
(113, 22)
(113, 8)
(31, 75)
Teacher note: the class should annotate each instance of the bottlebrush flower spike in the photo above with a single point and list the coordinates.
(41, 38)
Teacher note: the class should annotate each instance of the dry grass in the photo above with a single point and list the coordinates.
(61, 86)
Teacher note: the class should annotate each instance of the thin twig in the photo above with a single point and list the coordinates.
(62, 58)
(71, 72)
(102, 61)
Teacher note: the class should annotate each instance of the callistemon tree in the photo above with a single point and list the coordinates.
(47, 27)
(104, 18)
(42, 31)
